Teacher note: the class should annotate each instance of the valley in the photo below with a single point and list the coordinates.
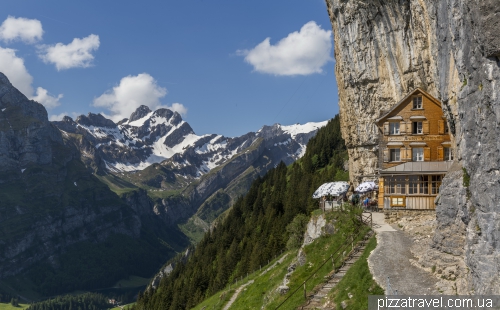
(108, 193)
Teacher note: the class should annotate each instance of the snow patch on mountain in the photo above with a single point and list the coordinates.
(103, 132)
(141, 121)
(296, 129)
(162, 152)
(211, 146)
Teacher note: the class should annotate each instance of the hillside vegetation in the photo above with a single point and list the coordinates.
(254, 230)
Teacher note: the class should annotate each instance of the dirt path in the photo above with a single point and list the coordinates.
(280, 261)
(235, 295)
(391, 258)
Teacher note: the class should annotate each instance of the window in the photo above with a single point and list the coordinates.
(419, 185)
(413, 183)
(394, 128)
(435, 184)
(395, 154)
(448, 154)
(418, 154)
(417, 102)
(417, 128)
(398, 201)
(395, 185)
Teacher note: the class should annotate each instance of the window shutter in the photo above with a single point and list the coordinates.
(381, 193)
(427, 153)
(425, 127)
(386, 155)
(409, 128)
(440, 153)
(386, 128)
(402, 154)
(441, 127)
(402, 128)
(408, 154)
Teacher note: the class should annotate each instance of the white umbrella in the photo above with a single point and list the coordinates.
(332, 188)
(366, 187)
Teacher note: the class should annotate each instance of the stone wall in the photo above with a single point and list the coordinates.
(392, 216)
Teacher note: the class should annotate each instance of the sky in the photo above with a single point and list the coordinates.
(228, 67)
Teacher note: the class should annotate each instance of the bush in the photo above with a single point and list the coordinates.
(295, 231)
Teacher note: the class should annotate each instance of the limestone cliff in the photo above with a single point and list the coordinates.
(450, 48)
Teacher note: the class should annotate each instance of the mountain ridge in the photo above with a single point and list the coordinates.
(150, 137)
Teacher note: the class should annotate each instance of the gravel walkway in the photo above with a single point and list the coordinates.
(391, 258)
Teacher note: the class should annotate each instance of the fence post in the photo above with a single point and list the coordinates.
(305, 295)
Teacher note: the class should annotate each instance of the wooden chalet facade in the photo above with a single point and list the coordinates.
(415, 152)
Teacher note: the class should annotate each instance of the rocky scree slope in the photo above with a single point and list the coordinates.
(50, 202)
(450, 48)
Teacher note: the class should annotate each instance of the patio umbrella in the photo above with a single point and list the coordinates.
(331, 188)
(366, 187)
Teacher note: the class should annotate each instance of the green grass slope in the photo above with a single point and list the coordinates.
(263, 293)
(4, 306)
(358, 281)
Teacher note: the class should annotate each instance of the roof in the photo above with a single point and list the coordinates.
(384, 116)
(419, 167)
(331, 189)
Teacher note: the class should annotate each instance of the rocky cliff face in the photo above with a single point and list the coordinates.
(450, 48)
(51, 206)
(25, 132)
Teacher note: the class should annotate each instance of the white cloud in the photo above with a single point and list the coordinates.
(179, 108)
(132, 92)
(57, 117)
(26, 30)
(13, 67)
(42, 96)
(300, 53)
(75, 54)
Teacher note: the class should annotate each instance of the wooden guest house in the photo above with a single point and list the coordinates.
(415, 151)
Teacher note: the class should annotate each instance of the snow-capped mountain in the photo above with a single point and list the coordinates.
(161, 136)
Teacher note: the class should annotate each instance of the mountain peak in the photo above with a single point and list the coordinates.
(96, 120)
(67, 119)
(139, 113)
(4, 80)
(25, 130)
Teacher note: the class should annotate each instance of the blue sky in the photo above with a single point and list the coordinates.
(207, 59)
